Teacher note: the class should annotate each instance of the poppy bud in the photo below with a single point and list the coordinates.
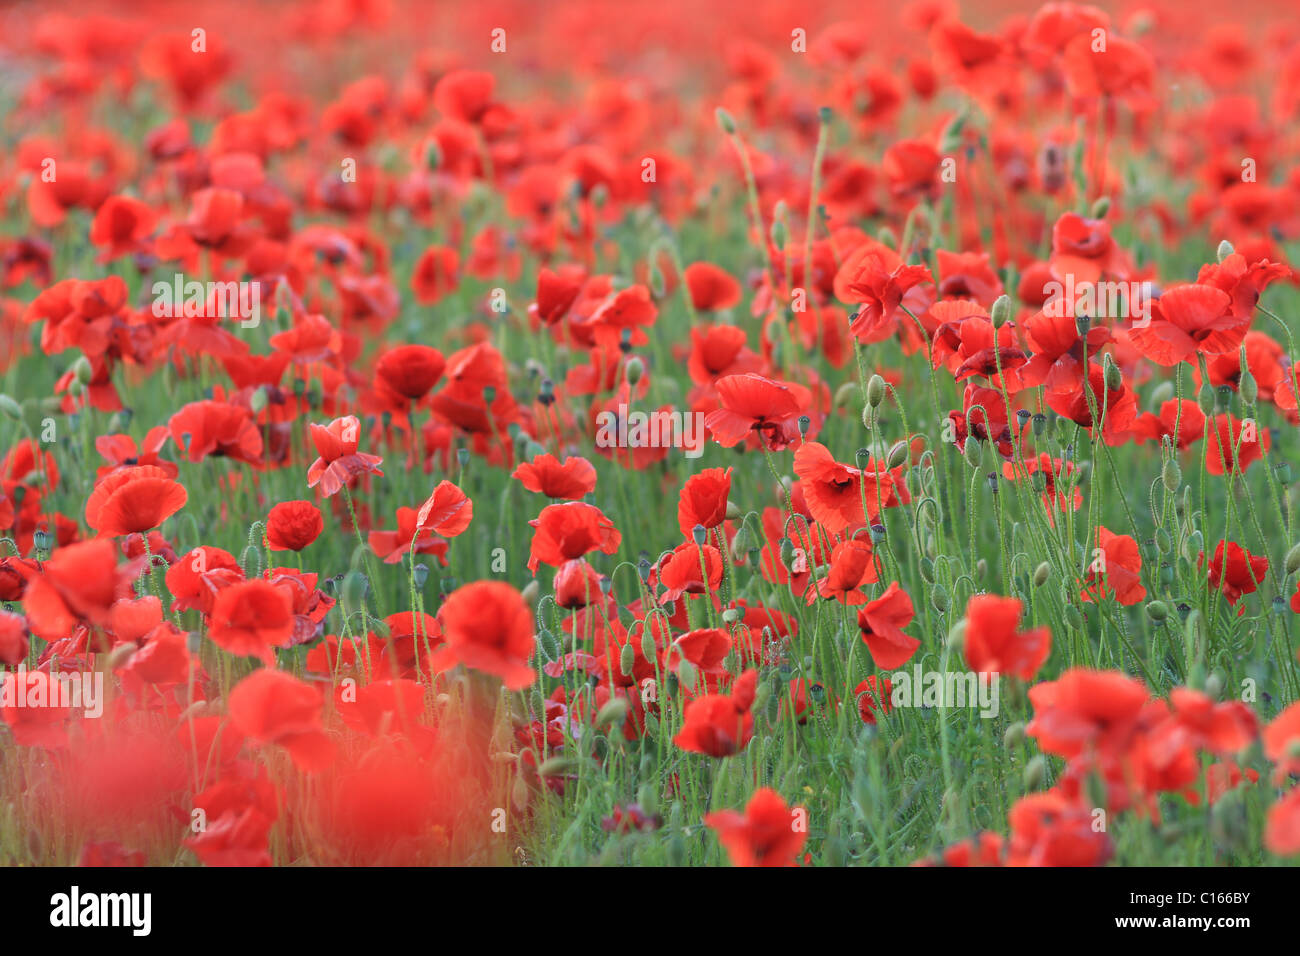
(676, 850)
(875, 391)
(10, 408)
(1041, 426)
(634, 369)
(1225, 250)
(557, 766)
(1114, 377)
(1283, 470)
(1000, 313)
(257, 401)
(644, 567)
(687, 673)
(530, 593)
(939, 598)
(1248, 387)
(648, 649)
(1206, 399)
(1073, 618)
(787, 552)
(1162, 393)
(548, 644)
(1014, 735)
(1214, 685)
(1172, 475)
(725, 121)
(1101, 207)
(779, 233)
(740, 543)
(844, 394)
(898, 453)
(1292, 560)
(869, 417)
(887, 238)
(972, 452)
(1158, 611)
(927, 570)
(82, 371)
(732, 614)
(1035, 772)
(1041, 574)
(1193, 546)
(462, 457)
(381, 629)
(733, 511)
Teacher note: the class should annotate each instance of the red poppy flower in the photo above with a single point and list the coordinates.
(79, 583)
(250, 618)
(703, 500)
(683, 571)
(409, 371)
(768, 833)
(1234, 445)
(711, 287)
(754, 404)
(570, 530)
(718, 725)
(134, 500)
(1189, 421)
(718, 351)
(292, 525)
(13, 639)
(1116, 572)
(270, 707)
(392, 546)
(995, 644)
(464, 95)
(1236, 573)
(572, 479)
(874, 694)
(194, 580)
(33, 704)
(447, 511)
(339, 460)
(1085, 710)
(121, 226)
(1282, 834)
(853, 566)
(1049, 830)
(882, 621)
(487, 626)
(208, 428)
(436, 273)
(1187, 320)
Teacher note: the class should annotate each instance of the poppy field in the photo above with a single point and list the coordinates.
(649, 434)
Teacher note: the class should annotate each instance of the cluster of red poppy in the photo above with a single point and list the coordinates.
(968, 181)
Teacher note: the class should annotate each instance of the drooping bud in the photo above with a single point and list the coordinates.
(634, 369)
(1172, 475)
(725, 121)
(1225, 250)
(1292, 560)
(1101, 207)
(1158, 611)
(1041, 574)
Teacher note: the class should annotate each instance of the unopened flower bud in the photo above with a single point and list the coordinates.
(1225, 250)
(1000, 313)
(634, 369)
(875, 391)
(1041, 574)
